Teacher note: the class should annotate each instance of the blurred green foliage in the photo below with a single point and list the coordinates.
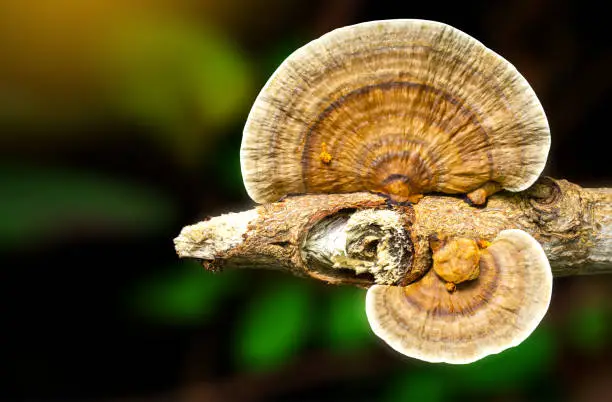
(421, 385)
(590, 327)
(347, 328)
(226, 165)
(183, 294)
(39, 204)
(182, 81)
(514, 369)
(522, 364)
(274, 325)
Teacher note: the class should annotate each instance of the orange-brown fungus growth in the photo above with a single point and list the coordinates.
(325, 156)
(456, 260)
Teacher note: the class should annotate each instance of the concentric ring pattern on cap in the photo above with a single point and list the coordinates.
(492, 313)
(398, 106)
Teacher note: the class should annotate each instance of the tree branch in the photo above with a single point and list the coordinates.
(363, 238)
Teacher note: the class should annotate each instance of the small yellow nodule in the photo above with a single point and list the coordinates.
(482, 243)
(325, 156)
(456, 260)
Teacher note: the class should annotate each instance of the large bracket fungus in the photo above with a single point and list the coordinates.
(403, 107)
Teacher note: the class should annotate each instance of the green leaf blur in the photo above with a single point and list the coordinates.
(422, 385)
(523, 364)
(184, 294)
(38, 203)
(347, 326)
(514, 369)
(274, 326)
(589, 327)
(182, 81)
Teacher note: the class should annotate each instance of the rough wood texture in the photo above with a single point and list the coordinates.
(573, 225)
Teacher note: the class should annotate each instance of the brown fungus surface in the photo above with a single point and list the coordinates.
(402, 107)
(484, 316)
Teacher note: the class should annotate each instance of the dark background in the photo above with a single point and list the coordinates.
(120, 122)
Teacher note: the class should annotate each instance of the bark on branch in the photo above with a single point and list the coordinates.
(363, 238)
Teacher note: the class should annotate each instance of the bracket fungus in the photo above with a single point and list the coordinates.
(485, 315)
(402, 107)
(344, 146)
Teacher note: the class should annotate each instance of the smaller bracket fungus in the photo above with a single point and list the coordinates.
(486, 315)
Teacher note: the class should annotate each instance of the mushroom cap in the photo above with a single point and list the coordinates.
(397, 106)
(494, 312)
